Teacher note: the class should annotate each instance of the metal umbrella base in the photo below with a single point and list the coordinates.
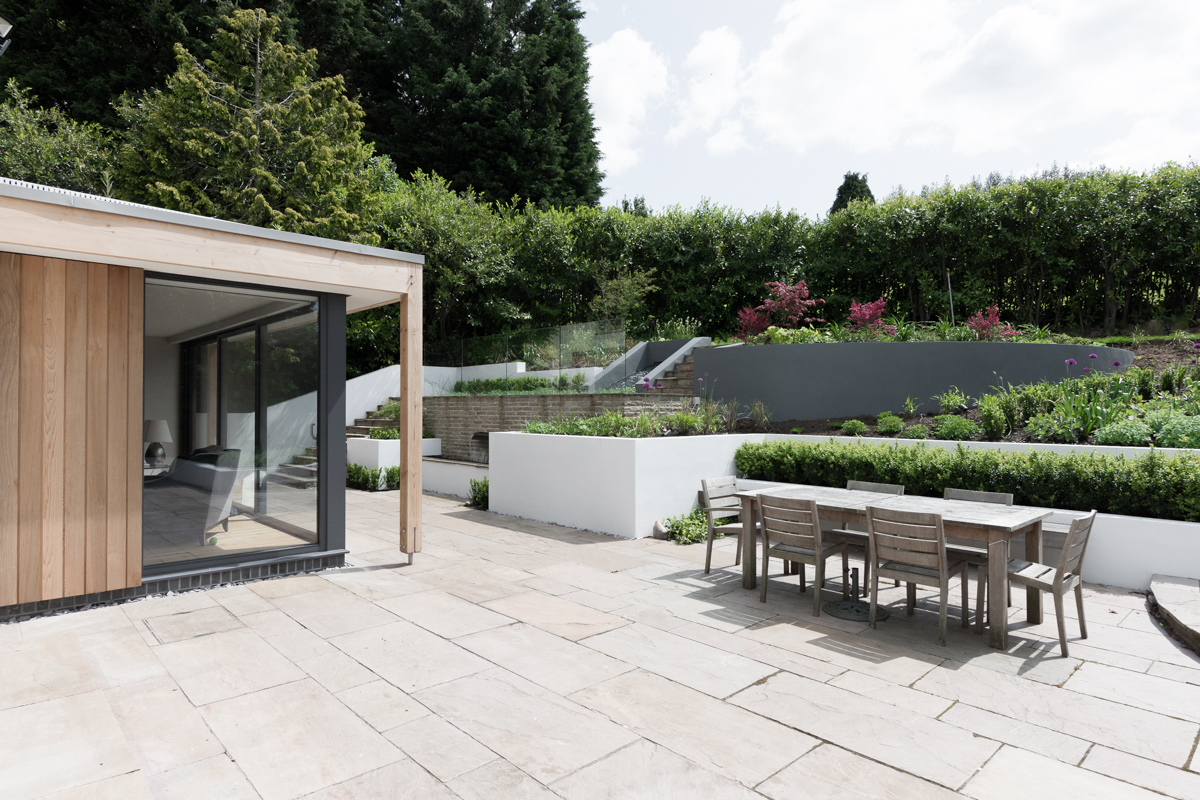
(855, 610)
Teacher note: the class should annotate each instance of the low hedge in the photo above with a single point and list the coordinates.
(371, 479)
(1153, 485)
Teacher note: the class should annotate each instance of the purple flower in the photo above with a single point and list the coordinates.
(1071, 362)
(1116, 363)
(1196, 345)
(1087, 369)
(1093, 355)
(658, 385)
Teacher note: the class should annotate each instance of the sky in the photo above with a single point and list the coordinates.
(764, 103)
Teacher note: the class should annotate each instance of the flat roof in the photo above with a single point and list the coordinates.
(109, 205)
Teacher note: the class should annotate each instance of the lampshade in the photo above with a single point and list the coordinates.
(156, 430)
(5, 27)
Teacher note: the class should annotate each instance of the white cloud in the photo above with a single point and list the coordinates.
(712, 90)
(1106, 80)
(628, 76)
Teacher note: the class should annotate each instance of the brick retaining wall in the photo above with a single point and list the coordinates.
(453, 419)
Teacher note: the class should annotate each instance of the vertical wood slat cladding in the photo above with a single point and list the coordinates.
(10, 367)
(70, 422)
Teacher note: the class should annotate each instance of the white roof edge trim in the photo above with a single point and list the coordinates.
(36, 192)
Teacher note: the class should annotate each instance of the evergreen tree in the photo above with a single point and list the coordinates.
(854, 187)
(493, 96)
(250, 135)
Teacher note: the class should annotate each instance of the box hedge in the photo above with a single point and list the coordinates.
(1153, 485)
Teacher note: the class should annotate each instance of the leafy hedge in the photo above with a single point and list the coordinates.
(369, 479)
(1154, 485)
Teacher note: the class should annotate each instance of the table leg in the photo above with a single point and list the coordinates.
(997, 599)
(1033, 552)
(749, 544)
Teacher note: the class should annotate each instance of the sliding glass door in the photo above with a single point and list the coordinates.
(244, 473)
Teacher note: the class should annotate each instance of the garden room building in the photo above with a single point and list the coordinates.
(172, 397)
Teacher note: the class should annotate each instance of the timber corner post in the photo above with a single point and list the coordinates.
(410, 417)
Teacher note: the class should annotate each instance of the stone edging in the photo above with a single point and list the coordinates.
(1178, 601)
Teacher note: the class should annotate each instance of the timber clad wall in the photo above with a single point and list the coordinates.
(70, 428)
(454, 418)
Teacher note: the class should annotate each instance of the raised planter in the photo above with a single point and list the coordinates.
(443, 476)
(377, 453)
(849, 379)
(622, 486)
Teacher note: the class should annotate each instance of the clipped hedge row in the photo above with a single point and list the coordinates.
(372, 479)
(1153, 485)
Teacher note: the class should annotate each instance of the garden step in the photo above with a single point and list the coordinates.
(297, 470)
(1178, 601)
(358, 430)
(304, 460)
(376, 422)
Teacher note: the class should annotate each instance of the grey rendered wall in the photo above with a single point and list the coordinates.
(819, 381)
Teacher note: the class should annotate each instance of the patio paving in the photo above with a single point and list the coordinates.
(516, 659)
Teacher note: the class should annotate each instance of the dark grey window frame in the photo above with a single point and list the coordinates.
(331, 427)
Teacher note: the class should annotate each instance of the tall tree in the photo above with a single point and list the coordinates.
(250, 135)
(493, 96)
(854, 187)
(44, 145)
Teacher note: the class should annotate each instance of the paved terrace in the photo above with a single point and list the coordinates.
(521, 660)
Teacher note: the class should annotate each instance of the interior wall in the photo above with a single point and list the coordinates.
(162, 389)
(70, 421)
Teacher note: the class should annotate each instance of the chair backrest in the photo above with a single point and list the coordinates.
(1074, 548)
(789, 520)
(878, 488)
(719, 493)
(999, 498)
(907, 537)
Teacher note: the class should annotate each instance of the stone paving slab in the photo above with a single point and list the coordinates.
(523, 660)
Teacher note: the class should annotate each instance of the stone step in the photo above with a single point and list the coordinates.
(358, 430)
(376, 422)
(312, 451)
(297, 470)
(306, 459)
(292, 481)
(1178, 601)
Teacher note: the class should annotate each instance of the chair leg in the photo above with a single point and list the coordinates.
(708, 554)
(1079, 605)
(874, 600)
(912, 599)
(803, 588)
(818, 584)
(762, 593)
(845, 575)
(1062, 622)
(942, 608)
(966, 594)
(981, 597)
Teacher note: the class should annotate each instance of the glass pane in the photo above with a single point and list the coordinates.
(292, 354)
(221, 364)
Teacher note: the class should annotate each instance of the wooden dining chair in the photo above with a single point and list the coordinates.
(718, 502)
(858, 539)
(1061, 580)
(976, 556)
(791, 530)
(911, 547)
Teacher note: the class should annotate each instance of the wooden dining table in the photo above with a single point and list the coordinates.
(989, 524)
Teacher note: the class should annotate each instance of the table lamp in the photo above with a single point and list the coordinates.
(156, 431)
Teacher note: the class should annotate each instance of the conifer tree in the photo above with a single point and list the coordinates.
(250, 135)
(854, 187)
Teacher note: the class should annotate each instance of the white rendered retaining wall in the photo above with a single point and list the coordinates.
(443, 476)
(622, 486)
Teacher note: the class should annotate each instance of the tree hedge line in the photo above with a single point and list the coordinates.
(1153, 485)
(1066, 249)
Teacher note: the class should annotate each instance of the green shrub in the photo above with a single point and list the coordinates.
(1179, 431)
(390, 410)
(952, 401)
(853, 427)
(888, 424)
(916, 432)
(479, 494)
(692, 528)
(360, 477)
(386, 433)
(1126, 433)
(1052, 427)
(1153, 485)
(992, 417)
(953, 428)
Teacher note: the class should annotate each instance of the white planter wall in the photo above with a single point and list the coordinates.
(622, 486)
(378, 453)
(451, 477)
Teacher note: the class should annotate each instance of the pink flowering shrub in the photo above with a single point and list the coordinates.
(866, 319)
(989, 327)
(790, 305)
